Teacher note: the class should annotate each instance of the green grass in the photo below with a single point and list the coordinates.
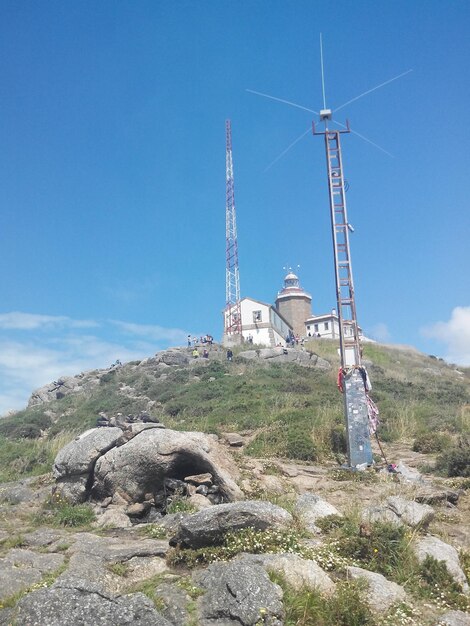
(387, 549)
(308, 607)
(233, 543)
(58, 513)
(297, 412)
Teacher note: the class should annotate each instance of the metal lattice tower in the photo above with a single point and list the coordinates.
(354, 393)
(232, 315)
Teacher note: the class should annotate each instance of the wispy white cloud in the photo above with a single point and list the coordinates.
(155, 333)
(37, 349)
(380, 332)
(454, 334)
(17, 320)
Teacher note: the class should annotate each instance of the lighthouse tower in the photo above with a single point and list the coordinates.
(294, 304)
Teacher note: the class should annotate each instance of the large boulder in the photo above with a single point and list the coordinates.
(238, 593)
(441, 551)
(173, 356)
(381, 593)
(74, 464)
(208, 527)
(65, 386)
(400, 511)
(454, 618)
(69, 605)
(141, 465)
(281, 355)
(411, 513)
(300, 573)
(310, 508)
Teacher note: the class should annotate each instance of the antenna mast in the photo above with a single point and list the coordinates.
(353, 376)
(232, 313)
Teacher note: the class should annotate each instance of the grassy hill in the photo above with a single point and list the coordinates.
(287, 411)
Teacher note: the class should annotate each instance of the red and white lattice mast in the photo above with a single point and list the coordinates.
(232, 313)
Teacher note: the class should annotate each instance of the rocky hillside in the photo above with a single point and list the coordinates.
(285, 404)
(190, 491)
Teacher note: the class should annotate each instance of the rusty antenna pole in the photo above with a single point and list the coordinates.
(352, 373)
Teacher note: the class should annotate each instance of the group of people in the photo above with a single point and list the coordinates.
(205, 353)
(294, 340)
(194, 341)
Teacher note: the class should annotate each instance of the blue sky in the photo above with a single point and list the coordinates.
(112, 171)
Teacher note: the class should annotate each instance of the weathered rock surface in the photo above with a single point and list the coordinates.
(380, 513)
(20, 569)
(293, 355)
(399, 511)
(408, 474)
(442, 551)
(141, 465)
(411, 513)
(113, 517)
(454, 618)
(65, 386)
(64, 605)
(173, 357)
(119, 548)
(436, 496)
(175, 603)
(208, 527)
(233, 439)
(46, 538)
(240, 594)
(23, 492)
(300, 572)
(310, 508)
(91, 557)
(74, 464)
(381, 593)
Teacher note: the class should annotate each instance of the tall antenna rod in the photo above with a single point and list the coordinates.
(352, 374)
(322, 72)
(232, 313)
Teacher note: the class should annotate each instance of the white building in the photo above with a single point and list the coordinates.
(262, 324)
(327, 326)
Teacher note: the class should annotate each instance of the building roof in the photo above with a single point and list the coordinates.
(292, 288)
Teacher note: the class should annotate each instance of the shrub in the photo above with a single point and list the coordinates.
(434, 581)
(180, 505)
(307, 607)
(300, 445)
(245, 540)
(59, 512)
(431, 442)
(26, 425)
(291, 440)
(338, 439)
(455, 461)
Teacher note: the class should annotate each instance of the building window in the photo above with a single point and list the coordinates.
(327, 326)
(256, 316)
(315, 328)
(308, 327)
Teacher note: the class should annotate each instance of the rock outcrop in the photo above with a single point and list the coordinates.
(136, 465)
(238, 593)
(441, 551)
(310, 508)
(207, 527)
(283, 355)
(381, 593)
(67, 605)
